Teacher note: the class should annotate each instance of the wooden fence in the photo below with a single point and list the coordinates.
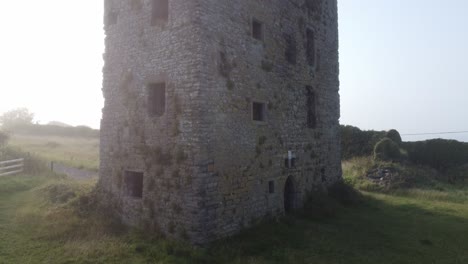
(11, 167)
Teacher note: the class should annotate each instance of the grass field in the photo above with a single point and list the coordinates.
(82, 153)
(51, 219)
(41, 222)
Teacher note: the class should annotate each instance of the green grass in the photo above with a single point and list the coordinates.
(82, 153)
(37, 229)
(43, 220)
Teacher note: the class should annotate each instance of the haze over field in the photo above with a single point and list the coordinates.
(403, 63)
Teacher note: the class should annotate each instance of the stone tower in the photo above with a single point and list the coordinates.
(217, 113)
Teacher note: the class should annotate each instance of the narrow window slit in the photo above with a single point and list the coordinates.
(271, 187)
(258, 111)
(157, 99)
(310, 48)
(257, 29)
(311, 108)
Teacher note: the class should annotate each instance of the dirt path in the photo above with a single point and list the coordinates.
(77, 174)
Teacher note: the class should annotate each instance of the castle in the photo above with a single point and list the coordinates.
(218, 113)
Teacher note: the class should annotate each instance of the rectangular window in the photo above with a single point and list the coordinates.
(291, 49)
(258, 111)
(271, 187)
(111, 18)
(157, 99)
(257, 29)
(310, 49)
(160, 11)
(311, 108)
(134, 184)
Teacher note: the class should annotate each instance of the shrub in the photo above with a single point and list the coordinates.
(3, 139)
(60, 193)
(387, 150)
(394, 135)
(440, 154)
(458, 174)
(358, 143)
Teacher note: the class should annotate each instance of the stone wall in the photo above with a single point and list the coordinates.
(248, 155)
(208, 167)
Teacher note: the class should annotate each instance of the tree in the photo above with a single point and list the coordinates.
(16, 117)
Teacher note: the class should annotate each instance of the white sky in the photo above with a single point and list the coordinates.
(51, 59)
(403, 63)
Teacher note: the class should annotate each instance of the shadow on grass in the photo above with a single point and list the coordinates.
(378, 231)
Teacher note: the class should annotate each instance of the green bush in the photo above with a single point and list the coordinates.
(387, 150)
(358, 143)
(394, 135)
(457, 174)
(440, 154)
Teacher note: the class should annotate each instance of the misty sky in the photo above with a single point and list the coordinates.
(403, 63)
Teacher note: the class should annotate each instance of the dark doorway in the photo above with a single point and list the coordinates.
(289, 195)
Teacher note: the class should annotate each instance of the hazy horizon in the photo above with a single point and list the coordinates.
(402, 63)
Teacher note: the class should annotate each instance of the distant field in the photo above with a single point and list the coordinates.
(42, 220)
(77, 152)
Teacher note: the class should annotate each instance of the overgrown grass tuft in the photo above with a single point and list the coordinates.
(403, 175)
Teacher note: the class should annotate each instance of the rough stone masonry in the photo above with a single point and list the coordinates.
(218, 113)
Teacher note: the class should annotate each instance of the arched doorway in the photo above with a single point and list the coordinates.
(289, 195)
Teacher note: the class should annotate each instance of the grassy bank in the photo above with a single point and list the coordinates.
(82, 153)
(45, 219)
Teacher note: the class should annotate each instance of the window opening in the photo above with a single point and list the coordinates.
(291, 49)
(271, 187)
(310, 49)
(324, 177)
(258, 111)
(134, 184)
(157, 99)
(311, 108)
(257, 29)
